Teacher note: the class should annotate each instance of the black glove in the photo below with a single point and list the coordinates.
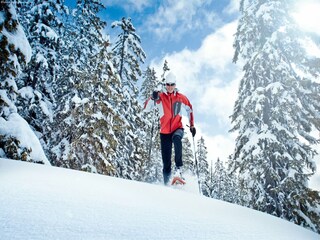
(155, 95)
(193, 131)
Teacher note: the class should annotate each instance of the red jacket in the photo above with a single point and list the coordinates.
(170, 106)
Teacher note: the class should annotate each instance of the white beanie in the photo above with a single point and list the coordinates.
(171, 78)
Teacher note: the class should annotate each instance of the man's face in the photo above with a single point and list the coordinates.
(170, 87)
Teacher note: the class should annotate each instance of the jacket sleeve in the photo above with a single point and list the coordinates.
(189, 110)
(150, 104)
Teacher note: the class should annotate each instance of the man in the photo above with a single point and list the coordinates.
(170, 104)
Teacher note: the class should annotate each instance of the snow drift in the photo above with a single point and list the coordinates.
(44, 202)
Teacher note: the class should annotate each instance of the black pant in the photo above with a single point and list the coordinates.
(166, 151)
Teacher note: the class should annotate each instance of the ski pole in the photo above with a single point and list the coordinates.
(197, 167)
(152, 127)
(196, 163)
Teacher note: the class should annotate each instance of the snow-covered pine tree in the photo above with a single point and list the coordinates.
(152, 167)
(43, 22)
(217, 179)
(187, 156)
(15, 52)
(127, 56)
(274, 113)
(203, 167)
(223, 186)
(149, 83)
(165, 69)
(86, 121)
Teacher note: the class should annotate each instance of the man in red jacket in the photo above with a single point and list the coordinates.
(170, 104)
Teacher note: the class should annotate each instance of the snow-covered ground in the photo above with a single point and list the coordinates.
(44, 202)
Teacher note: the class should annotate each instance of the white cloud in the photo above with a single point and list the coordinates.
(130, 5)
(140, 4)
(213, 58)
(233, 7)
(219, 146)
(219, 100)
(174, 18)
(306, 14)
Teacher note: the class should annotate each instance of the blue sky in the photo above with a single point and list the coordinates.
(196, 38)
(168, 26)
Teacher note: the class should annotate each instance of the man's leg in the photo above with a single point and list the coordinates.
(176, 138)
(166, 151)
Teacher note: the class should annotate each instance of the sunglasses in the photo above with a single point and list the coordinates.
(170, 84)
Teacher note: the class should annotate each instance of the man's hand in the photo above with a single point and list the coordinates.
(193, 131)
(155, 95)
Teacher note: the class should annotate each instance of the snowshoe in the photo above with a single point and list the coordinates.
(177, 178)
(178, 181)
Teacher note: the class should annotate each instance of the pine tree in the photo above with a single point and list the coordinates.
(188, 157)
(149, 83)
(165, 68)
(15, 52)
(223, 185)
(152, 169)
(274, 114)
(86, 120)
(203, 167)
(127, 55)
(218, 177)
(43, 22)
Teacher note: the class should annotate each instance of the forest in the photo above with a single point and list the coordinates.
(75, 93)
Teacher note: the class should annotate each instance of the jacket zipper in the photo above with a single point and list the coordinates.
(171, 113)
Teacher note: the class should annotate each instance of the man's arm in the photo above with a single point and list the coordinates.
(152, 101)
(189, 111)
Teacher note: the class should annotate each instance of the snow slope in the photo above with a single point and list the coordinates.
(44, 202)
